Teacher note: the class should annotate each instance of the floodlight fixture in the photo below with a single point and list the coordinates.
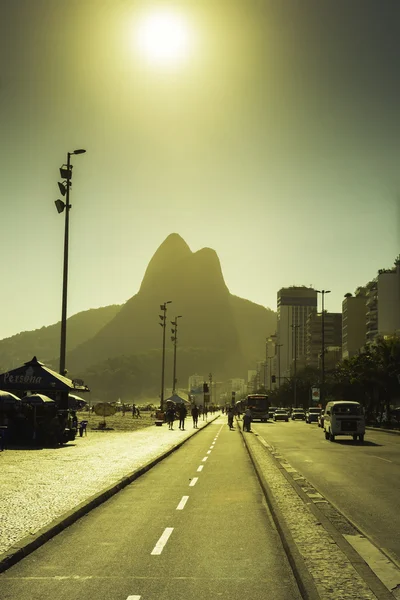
(63, 188)
(60, 206)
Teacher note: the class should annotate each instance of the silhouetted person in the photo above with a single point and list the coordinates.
(230, 417)
(195, 416)
(182, 412)
(133, 410)
(247, 419)
(170, 416)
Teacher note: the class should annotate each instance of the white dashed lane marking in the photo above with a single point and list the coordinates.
(159, 547)
(182, 503)
(200, 468)
(194, 481)
(133, 597)
(385, 459)
(205, 458)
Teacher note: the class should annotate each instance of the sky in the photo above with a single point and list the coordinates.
(268, 130)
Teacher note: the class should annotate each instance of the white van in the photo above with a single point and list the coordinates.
(344, 418)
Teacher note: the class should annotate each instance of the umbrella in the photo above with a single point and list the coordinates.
(8, 400)
(37, 400)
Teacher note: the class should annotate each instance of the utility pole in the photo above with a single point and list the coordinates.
(210, 385)
(266, 364)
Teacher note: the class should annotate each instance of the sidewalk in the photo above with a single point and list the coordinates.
(44, 490)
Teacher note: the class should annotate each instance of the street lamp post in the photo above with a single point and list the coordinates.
(279, 346)
(64, 187)
(270, 358)
(163, 323)
(294, 330)
(266, 363)
(322, 391)
(174, 338)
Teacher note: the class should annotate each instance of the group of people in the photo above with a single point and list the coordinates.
(180, 413)
(247, 418)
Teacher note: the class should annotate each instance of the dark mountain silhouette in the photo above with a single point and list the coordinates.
(45, 342)
(218, 332)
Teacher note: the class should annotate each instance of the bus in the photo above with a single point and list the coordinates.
(259, 406)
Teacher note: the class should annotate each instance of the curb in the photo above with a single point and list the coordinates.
(304, 580)
(30, 543)
(393, 431)
(376, 586)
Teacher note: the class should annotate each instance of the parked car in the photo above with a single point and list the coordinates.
(298, 413)
(281, 415)
(271, 411)
(312, 414)
(321, 419)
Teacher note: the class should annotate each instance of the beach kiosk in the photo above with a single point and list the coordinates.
(34, 378)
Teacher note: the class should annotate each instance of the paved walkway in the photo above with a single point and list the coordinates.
(42, 487)
(39, 486)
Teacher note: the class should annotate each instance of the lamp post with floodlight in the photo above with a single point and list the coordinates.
(322, 391)
(174, 338)
(163, 323)
(64, 187)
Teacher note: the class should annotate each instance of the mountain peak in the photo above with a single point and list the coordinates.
(172, 251)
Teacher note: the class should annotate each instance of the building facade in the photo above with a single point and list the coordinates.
(294, 304)
(354, 323)
(332, 336)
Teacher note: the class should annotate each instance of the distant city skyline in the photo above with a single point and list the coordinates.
(269, 133)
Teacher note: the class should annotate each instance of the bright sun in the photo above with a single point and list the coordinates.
(163, 37)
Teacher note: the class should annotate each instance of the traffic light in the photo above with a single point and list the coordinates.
(205, 388)
(273, 379)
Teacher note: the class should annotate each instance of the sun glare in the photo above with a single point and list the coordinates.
(163, 37)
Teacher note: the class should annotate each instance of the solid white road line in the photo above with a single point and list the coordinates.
(159, 547)
(200, 468)
(194, 481)
(385, 459)
(182, 503)
(205, 458)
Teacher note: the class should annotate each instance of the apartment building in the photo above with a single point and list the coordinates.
(332, 336)
(383, 303)
(354, 322)
(294, 304)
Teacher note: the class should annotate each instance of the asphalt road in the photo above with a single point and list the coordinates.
(194, 527)
(361, 480)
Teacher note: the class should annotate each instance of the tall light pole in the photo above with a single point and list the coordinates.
(163, 323)
(294, 330)
(322, 391)
(266, 363)
(270, 358)
(278, 347)
(174, 338)
(64, 187)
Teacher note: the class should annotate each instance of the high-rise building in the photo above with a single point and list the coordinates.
(383, 303)
(332, 336)
(294, 305)
(354, 322)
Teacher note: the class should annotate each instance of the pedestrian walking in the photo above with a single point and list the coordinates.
(230, 417)
(133, 410)
(182, 412)
(247, 419)
(195, 416)
(170, 416)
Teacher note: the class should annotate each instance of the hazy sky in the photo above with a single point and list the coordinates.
(275, 140)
